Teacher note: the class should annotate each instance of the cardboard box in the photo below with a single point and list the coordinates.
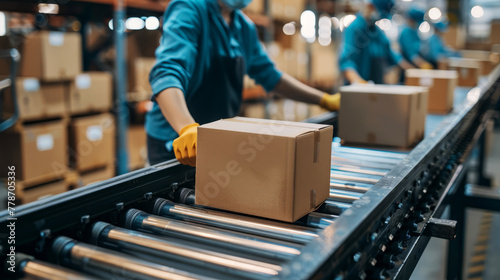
(52, 56)
(92, 142)
(40, 191)
(287, 10)
(487, 59)
(96, 175)
(271, 169)
(255, 7)
(91, 92)
(39, 152)
(441, 84)
(468, 70)
(36, 100)
(139, 78)
(137, 147)
(455, 37)
(387, 115)
(495, 30)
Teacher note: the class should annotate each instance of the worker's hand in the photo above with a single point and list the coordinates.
(185, 145)
(330, 102)
(359, 81)
(426, 66)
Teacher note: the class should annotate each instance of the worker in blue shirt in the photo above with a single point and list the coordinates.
(366, 51)
(206, 48)
(409, 41)
(433, 49)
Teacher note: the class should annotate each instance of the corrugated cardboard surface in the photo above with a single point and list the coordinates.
(137, 147)
(468, 70)
(91, 92)
(37, 100)
(487, 59)
(441, 85)
(39, 152)
(43, 191)
(139, 77)
(270, 169)
(92, 141)
(51, 56)
(383, 115)
(96, 175)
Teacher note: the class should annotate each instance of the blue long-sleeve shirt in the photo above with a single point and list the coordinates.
(434, 48)
(193, 32)
(363, 44)
(409, 43)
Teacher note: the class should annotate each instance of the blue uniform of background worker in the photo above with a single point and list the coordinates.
(367, 51)
(409, 41)
(433, 49)
(206, 49)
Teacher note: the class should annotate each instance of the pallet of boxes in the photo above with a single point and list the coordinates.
(55, 101)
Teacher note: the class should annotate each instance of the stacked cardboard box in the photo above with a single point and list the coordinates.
(137, 149)
(141, 48)
(90, 92)
(38, 142)
(287, 10)
(92, 142)
(37, 100)
(455, 37)
(138, 78)
(255, 7)
(39, 154)
(495, 30)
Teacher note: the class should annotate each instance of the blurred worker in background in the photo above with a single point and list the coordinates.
(409, 41)
(206, 48)
(433, 49)
(367, 52)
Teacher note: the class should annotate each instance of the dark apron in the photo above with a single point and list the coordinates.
(378, 67)
(218, 96)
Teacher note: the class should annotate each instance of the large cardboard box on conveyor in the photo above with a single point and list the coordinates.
(37, 100)
(91, 140)
(272, 169)
(39, 152)
(91, 92)
(468, 70)
(51, 56)
(441, 84)
(387, 115)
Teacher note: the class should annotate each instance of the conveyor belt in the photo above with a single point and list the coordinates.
(181, 241)
(144, 225)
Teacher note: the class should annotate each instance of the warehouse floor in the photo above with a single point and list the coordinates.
(432, 265)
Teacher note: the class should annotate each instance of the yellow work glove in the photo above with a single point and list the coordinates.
(330, 102)
(185, 145)
(426, 66)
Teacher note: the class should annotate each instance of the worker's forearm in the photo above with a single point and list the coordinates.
(353, 77)
(173, 106)
(420, 62)
(405, 64)
(291, 88)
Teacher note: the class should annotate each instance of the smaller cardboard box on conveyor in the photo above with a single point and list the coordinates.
(387, 115)
(271, 169)
(468, 69)
(441, 84)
